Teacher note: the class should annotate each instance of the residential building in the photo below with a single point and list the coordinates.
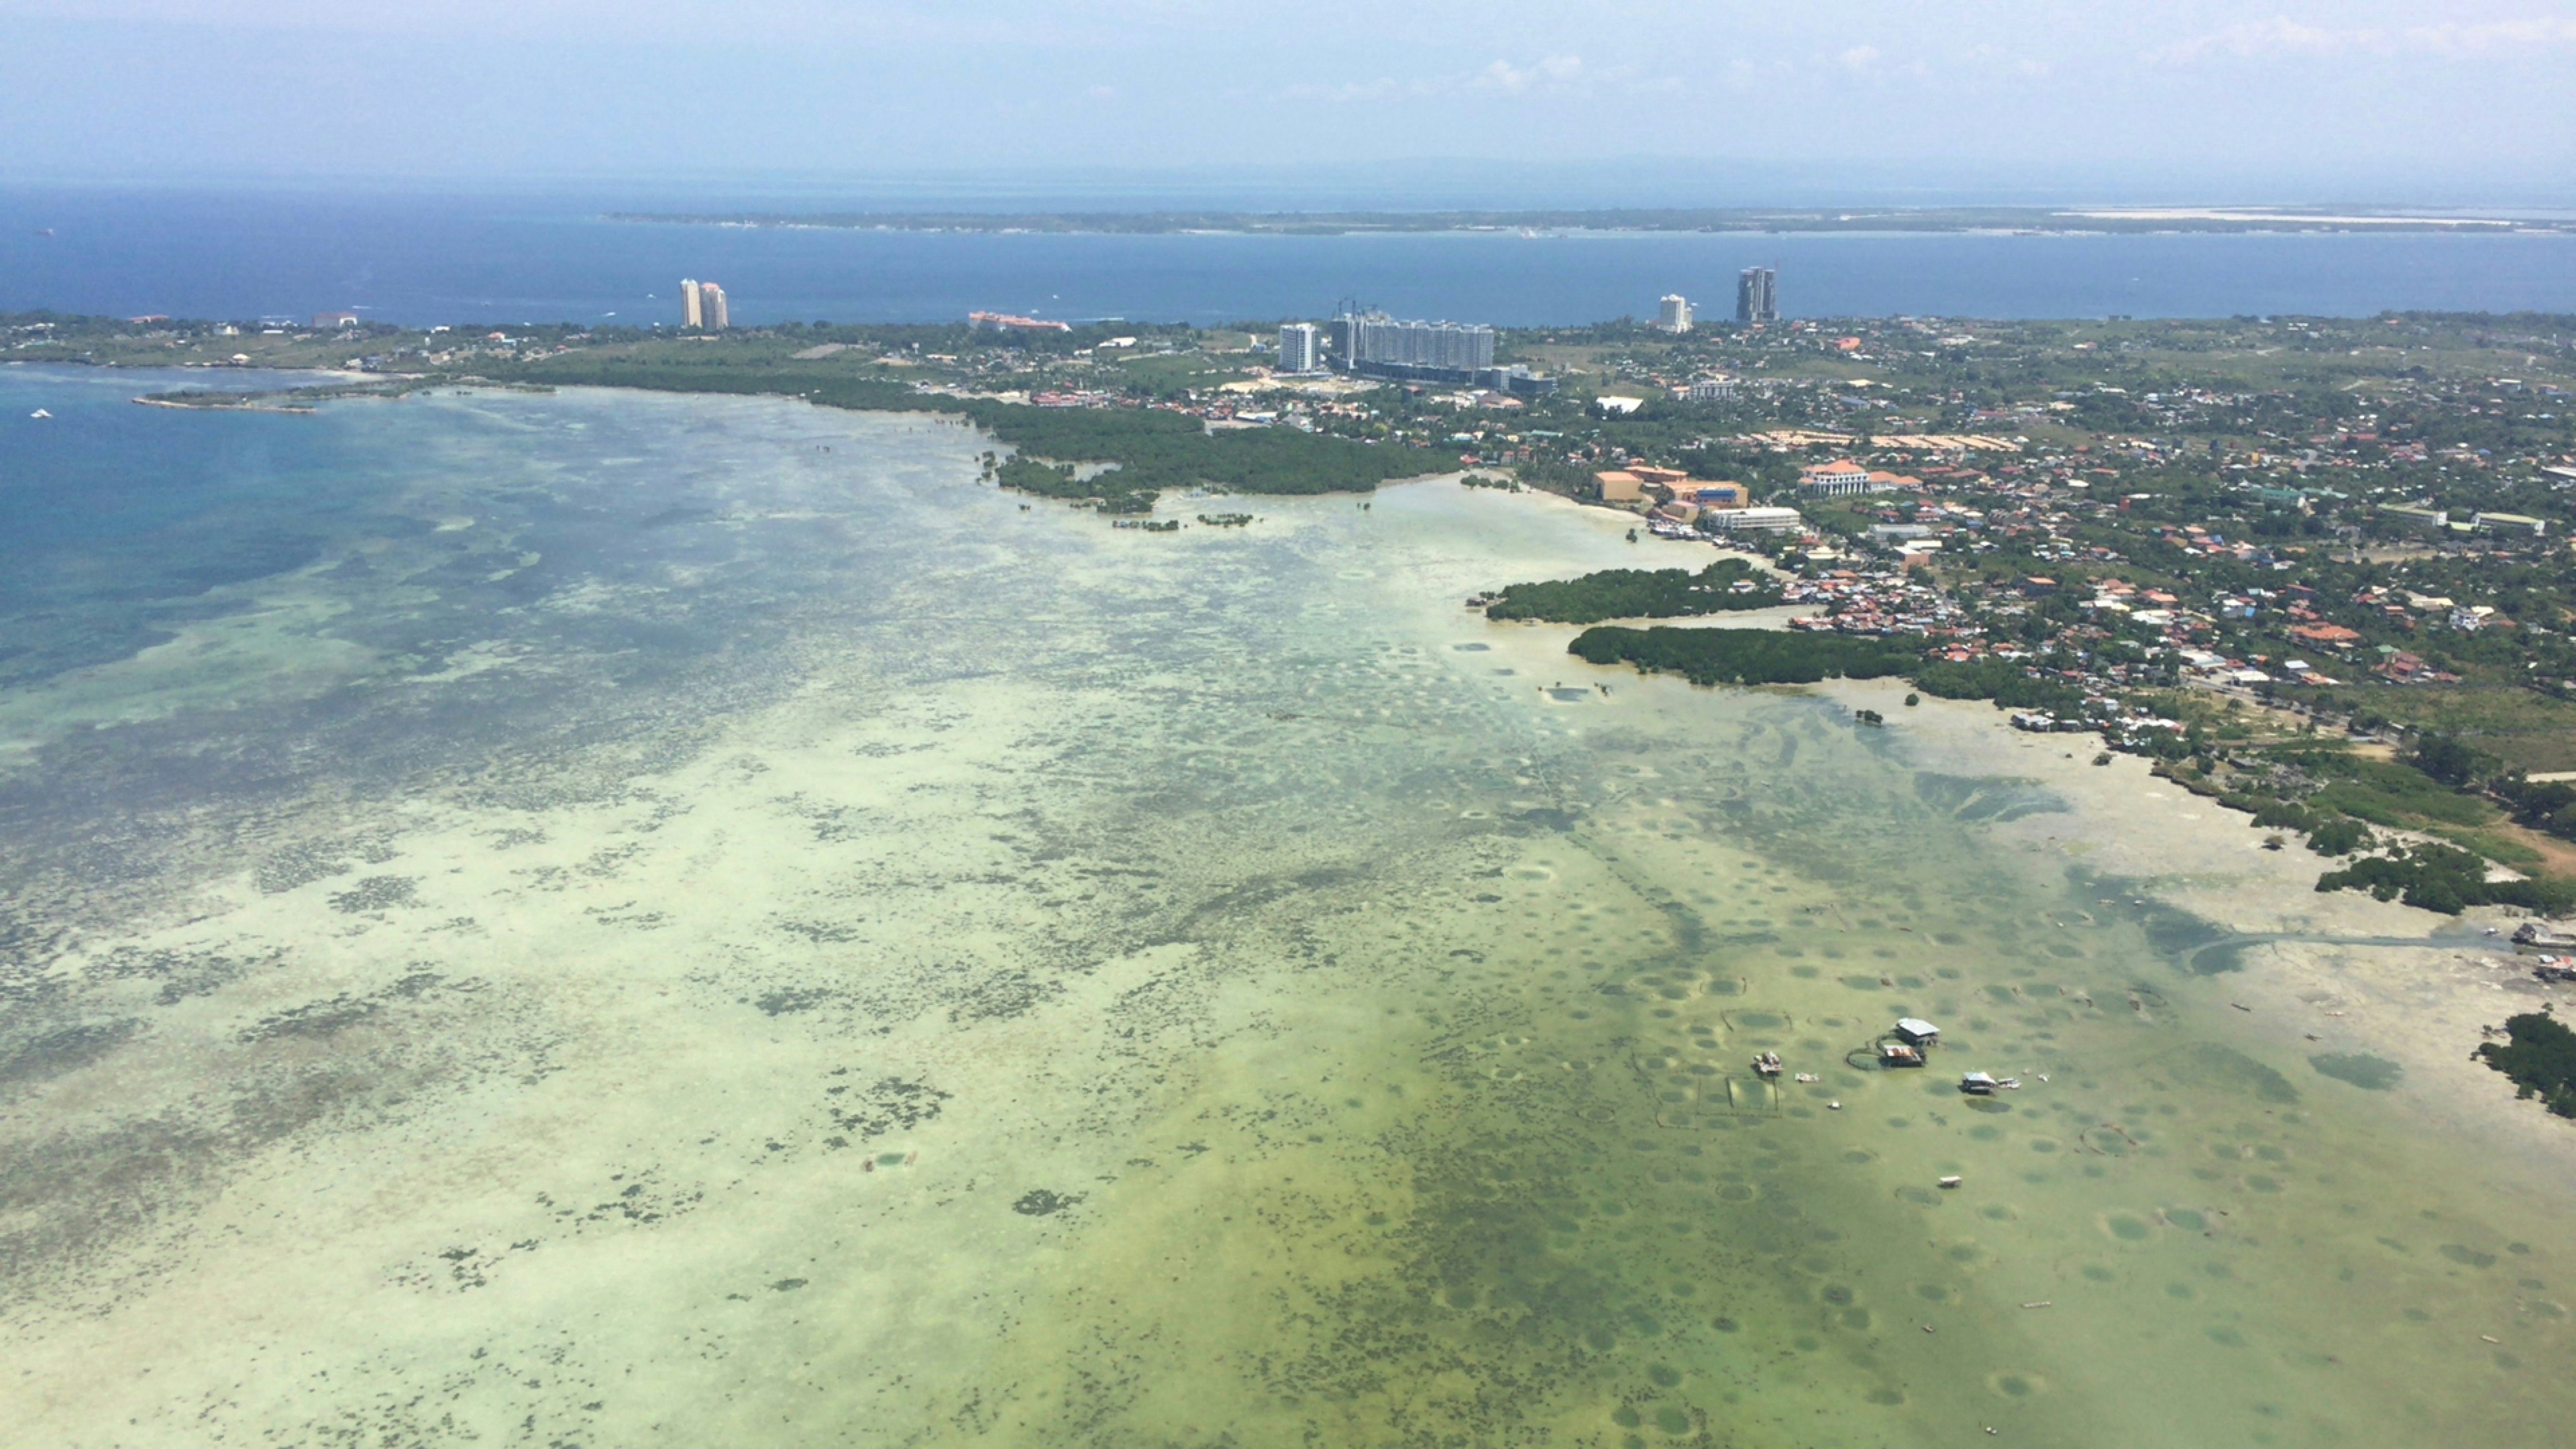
(711, 307)
(1301, 347)
(692, 309)
(1379, 345)
(1673, 314)
(1757, 295)
(1618, 485)
(1711, 389)
(320, 319)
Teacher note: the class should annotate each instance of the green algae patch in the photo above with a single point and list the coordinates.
(2370, 1073)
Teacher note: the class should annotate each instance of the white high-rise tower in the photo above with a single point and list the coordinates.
(1301, 347)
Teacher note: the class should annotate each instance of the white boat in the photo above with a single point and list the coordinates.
(40, 413)
(1978, 1084)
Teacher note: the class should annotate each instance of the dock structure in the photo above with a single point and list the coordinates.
(1918, 1032)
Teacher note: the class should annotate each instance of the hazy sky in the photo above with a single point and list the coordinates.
(2354, 98)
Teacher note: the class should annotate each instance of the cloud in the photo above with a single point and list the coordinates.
(1859, 57)
(1555, 70)
(1554, 75)
(2493, 35)
(2282, 35)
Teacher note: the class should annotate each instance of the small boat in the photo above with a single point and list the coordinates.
(1768, 1064)
(1978, 1084)
(40, 413)
(1951, 1181)
(1807, 1077)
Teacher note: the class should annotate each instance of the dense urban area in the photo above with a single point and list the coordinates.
(2317, 567)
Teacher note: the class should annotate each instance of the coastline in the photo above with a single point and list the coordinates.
(2420, 1006)
(1123, 1028)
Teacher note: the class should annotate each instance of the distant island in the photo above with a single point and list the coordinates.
(2108, 219)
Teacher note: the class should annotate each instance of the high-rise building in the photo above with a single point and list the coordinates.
(711, 307)
(1757, 295)
(1433, 351)
(692, 313)
(1301, 347)
(1674, 314)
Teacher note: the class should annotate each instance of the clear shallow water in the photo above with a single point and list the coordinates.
(662, 931)
(423, 260)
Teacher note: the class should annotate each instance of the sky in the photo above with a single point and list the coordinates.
(2446, 102)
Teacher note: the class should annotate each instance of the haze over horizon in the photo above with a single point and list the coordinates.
(1632, 102)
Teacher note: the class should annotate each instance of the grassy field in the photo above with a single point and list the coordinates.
(2524, 729)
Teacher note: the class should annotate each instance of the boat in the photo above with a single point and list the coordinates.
(40, 413)
(1978, 1084)
(1918, 1032)
(1768, 1064)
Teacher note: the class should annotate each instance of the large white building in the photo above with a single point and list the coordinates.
(692, 310)
(1757, 519)
(1673, 314)
(1301, 347)
(1840, 479)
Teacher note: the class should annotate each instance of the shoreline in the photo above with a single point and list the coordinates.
(2419, 1006)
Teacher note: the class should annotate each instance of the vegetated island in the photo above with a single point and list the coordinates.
(1744, 656)
(1630, 219)
(2539, 1055)
(1729, 585)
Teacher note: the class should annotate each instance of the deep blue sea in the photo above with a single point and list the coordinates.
(422, 259)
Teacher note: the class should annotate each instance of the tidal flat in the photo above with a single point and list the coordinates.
(685, 920)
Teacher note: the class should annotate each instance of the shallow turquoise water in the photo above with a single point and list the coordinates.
(687, 920)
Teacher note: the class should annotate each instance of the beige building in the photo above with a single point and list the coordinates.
(1618, 485)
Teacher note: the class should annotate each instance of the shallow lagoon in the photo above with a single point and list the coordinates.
(687, 920)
